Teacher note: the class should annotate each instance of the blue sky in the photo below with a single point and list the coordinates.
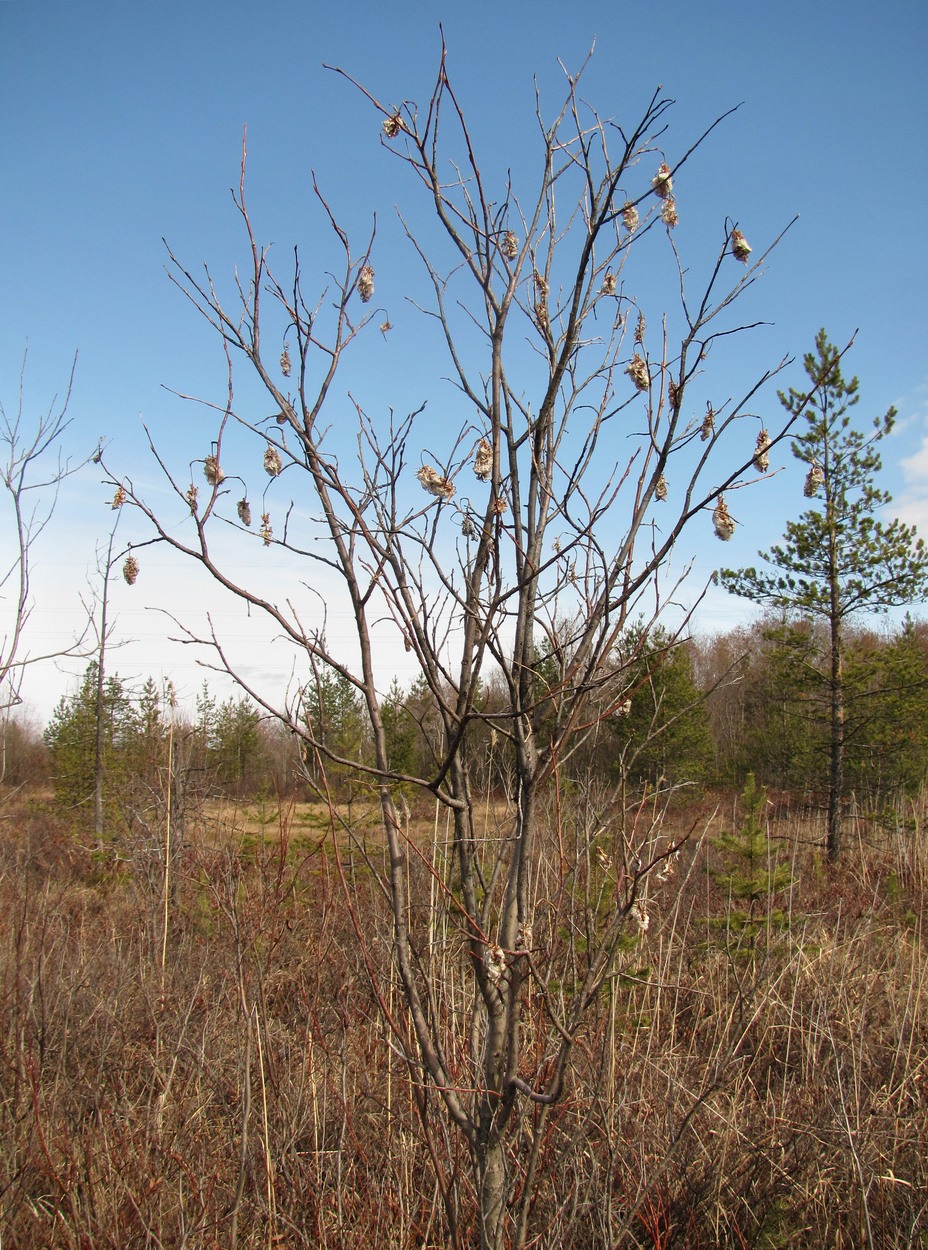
(120, 124)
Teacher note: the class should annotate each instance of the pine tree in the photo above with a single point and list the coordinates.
(71, 737)
(837, 558)
(752, 874)
(663, 731)
(332, 711)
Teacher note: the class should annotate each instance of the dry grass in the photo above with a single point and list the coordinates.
(233, 1086)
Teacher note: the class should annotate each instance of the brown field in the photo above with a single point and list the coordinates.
(203, 1063)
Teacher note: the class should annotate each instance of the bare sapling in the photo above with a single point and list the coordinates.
(512, 547)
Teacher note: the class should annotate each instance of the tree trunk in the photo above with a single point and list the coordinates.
(100, 710)
(491, 1168)
(836, 768)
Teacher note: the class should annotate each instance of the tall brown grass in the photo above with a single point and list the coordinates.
(230, 1082)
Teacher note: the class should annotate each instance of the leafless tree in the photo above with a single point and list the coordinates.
(594, 441)
(32, 468)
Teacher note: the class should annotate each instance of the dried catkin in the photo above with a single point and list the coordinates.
(637, 370)
(724, 525)
(273, 464)
(434, 483)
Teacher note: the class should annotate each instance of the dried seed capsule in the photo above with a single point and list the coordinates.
(244, 511)
(630, 217)
(510, 245)
(662, 183)
(640, 916)
(434, 483)
(191, 497)
(494, 960)
(483, 460)
(637, 370)
(669, 212)
(814, 479)
(130, 570)
(707, 429)
(273, 464)
(119, 498)
(212, 472)
(392, 125)
(761, 458)
(285, 361)
(366, 284)
(608, 287)
(660, 489)
(266, 531)
(724, 525)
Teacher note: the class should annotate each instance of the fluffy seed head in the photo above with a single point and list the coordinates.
(483, 460)
(494, 960)
(130, 570)
(212, 472)
(761, 458)
(637, 370)
(708, 424)
(119, 498)
(273, 464)
(510, 245)
(724, 525)
(609, 284)
(433, 482)
(392, 125)
(640, 916)
(366, 284)
(669, 212)
(630, 217)
(814, 478)
(662, 183)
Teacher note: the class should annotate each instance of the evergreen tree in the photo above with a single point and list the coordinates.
(752, 875)
(332, 711)
(71, 737)
(663, 729)
(888, 743)
(400, 729)
(236, 753)
(837, 558)
(784, 740)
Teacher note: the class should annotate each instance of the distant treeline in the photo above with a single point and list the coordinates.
(704, 711)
